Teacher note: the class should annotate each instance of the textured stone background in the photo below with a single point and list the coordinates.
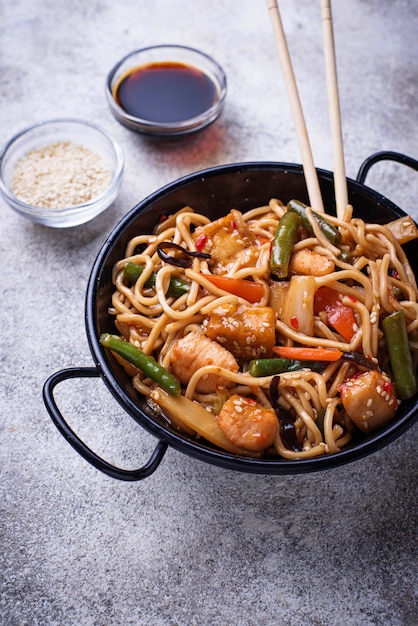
(192, 544)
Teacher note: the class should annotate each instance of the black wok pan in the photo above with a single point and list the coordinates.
(214, 192)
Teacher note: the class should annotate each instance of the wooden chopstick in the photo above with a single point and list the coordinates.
(340, 180)
(311, 175)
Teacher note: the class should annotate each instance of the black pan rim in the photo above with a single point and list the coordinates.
(202, 451)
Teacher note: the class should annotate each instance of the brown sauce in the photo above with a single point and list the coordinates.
(165, 92)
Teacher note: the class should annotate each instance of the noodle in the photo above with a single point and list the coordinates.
(369, 274)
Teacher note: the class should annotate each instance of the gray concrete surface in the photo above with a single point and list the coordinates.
(192, 544)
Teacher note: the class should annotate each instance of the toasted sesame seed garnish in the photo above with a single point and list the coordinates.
(60, 175)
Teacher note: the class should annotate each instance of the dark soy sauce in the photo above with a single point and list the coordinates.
(165, 92)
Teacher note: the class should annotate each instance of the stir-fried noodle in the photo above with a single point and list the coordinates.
(225, 341)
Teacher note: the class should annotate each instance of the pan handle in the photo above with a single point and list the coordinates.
(384, 156)
(78, 444)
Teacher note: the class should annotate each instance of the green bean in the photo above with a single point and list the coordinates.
(271, 367)
(268, 367)
(346, 256)
(142, 361)
(394, 328)
(178, 286)
(282, 245)
(330, 231)
(132, 271)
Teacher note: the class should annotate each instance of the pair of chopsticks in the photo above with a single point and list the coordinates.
(311, 176)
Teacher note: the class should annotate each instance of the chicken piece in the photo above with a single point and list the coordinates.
(247, 424)
(369, 399)
(228, 240)
(403, 229)
(310, 263)
(194, 351)
(246, 331)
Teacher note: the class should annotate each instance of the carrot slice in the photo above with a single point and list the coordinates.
(253, 292)
(308, 354)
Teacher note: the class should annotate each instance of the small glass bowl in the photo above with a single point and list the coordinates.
(47, 133)
(166, 55)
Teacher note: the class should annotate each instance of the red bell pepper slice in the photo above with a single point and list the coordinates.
(340, 316)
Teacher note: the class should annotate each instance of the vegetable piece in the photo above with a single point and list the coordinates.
(143, 361)
(222, 396)
(178, 286)
(185, 260)
(249, 290)
(268, 367)
(278, 295)
(271, 367)
(308, 354)
(132, 271)
(330, 231)
(298, 311)
(282, 244)
(320, 420)
(339, 315)
(286, 419)
(360, 359)
(346, 256)
(394, 328)
(193, 415)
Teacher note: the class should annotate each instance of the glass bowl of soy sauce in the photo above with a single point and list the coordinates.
(166, 90)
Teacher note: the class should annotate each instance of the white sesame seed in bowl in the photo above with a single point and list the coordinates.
(61, 173)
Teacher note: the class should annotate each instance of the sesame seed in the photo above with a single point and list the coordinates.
(60, 175)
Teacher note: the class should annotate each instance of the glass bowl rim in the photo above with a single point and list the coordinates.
(30, 209)
(190, 124)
